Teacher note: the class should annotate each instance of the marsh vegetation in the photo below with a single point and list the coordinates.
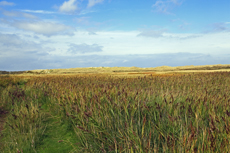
(103, 113)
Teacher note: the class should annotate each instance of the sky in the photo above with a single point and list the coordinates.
(50, 34)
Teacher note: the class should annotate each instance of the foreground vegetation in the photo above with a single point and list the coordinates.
(100, 113)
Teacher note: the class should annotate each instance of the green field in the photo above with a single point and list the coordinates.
(99, 113)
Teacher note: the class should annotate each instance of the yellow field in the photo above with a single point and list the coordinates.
(129, 71)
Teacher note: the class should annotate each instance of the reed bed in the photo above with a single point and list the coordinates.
(154, 113)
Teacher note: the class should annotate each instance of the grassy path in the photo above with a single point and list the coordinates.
(3, 115)
(58, 137)
(57, 134)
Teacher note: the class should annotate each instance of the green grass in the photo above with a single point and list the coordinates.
(59, 137)
(42, 130)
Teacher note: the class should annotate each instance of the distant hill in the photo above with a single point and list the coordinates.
(12, 72)
(190, 68)
(127, 70)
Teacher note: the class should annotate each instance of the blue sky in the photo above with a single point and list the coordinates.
(89, 33)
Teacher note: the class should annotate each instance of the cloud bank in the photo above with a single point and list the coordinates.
(18, 14)
(151, 60)
(152, 33)
(41, 27)
(84, 48)
(39, 11)
(44, 28)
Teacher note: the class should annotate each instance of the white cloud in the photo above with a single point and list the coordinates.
(91, 3)
(124, 43)
(87, 11)
(18, 14)
(20, 51)
(39, 11)
(68, 6)
(13, 45)
(90, 32)
(84, 48)
(5, 3)
(166, 6)
(9, 14)
(26, 15)
(152, 33)
(42, 27)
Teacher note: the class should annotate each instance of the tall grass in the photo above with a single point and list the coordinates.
(155, 113)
